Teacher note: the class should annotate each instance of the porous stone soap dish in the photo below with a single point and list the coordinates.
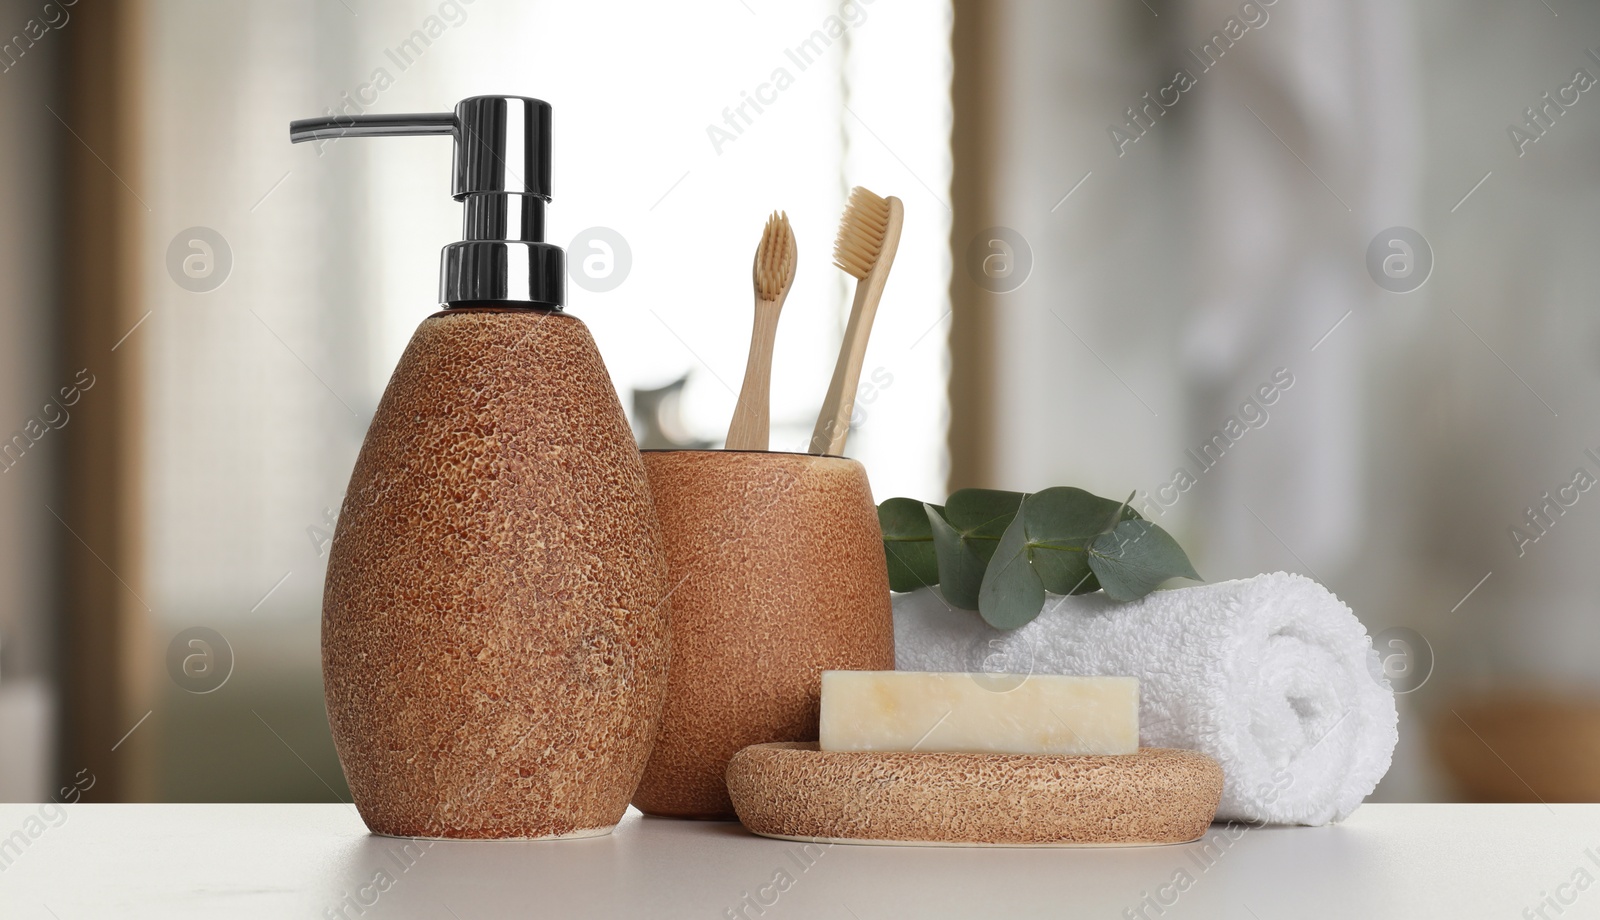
(794, 791)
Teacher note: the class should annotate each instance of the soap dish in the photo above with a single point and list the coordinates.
(794, 791)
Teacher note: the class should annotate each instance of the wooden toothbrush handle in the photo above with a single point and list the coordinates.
(751, 415)
(833, 422)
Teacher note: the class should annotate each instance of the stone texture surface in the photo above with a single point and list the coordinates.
(776, 573)
(495, 634)
(1155, 796)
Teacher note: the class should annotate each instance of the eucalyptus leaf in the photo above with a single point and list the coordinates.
(1135, 557)
(981, 516)
(1065, 511)
(1089, 585)
(960, 567)
(1060, 523)
(1011, 594)
(1119, 515)
(999, 552)
(1064, 570)
(908, 544)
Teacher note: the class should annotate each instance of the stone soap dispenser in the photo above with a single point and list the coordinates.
(495, 619)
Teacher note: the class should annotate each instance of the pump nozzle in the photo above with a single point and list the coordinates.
(334, 127)
(502, 176)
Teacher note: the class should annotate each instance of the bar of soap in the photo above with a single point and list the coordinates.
(979, 713)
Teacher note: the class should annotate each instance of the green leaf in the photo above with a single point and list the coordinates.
(1064, 571)
(1065, 510)
(1120, 514)
(1011, 594)
(1060, 523)
(999, 552)
(960, 566)
(908, 544)
(1135, 557)
(1089, 585)
(981, 516)
(966, 531)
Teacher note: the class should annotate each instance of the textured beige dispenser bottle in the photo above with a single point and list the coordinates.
(495, 618)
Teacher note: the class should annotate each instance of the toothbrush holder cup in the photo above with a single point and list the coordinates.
(776, 573)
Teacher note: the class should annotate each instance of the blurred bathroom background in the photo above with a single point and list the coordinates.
(1125, 218)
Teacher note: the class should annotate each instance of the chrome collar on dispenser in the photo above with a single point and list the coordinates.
(502, 176)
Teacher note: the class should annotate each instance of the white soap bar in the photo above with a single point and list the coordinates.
(979, 713)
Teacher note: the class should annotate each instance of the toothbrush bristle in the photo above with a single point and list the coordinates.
(861, 232)
(775, 257)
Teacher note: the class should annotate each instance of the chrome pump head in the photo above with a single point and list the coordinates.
(502, 176)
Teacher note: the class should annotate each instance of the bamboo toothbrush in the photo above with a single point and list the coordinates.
(869, 233)
(773, 274)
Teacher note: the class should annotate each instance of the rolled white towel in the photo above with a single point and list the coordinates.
(1272, 676)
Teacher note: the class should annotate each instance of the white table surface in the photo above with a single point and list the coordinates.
(286, 861)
